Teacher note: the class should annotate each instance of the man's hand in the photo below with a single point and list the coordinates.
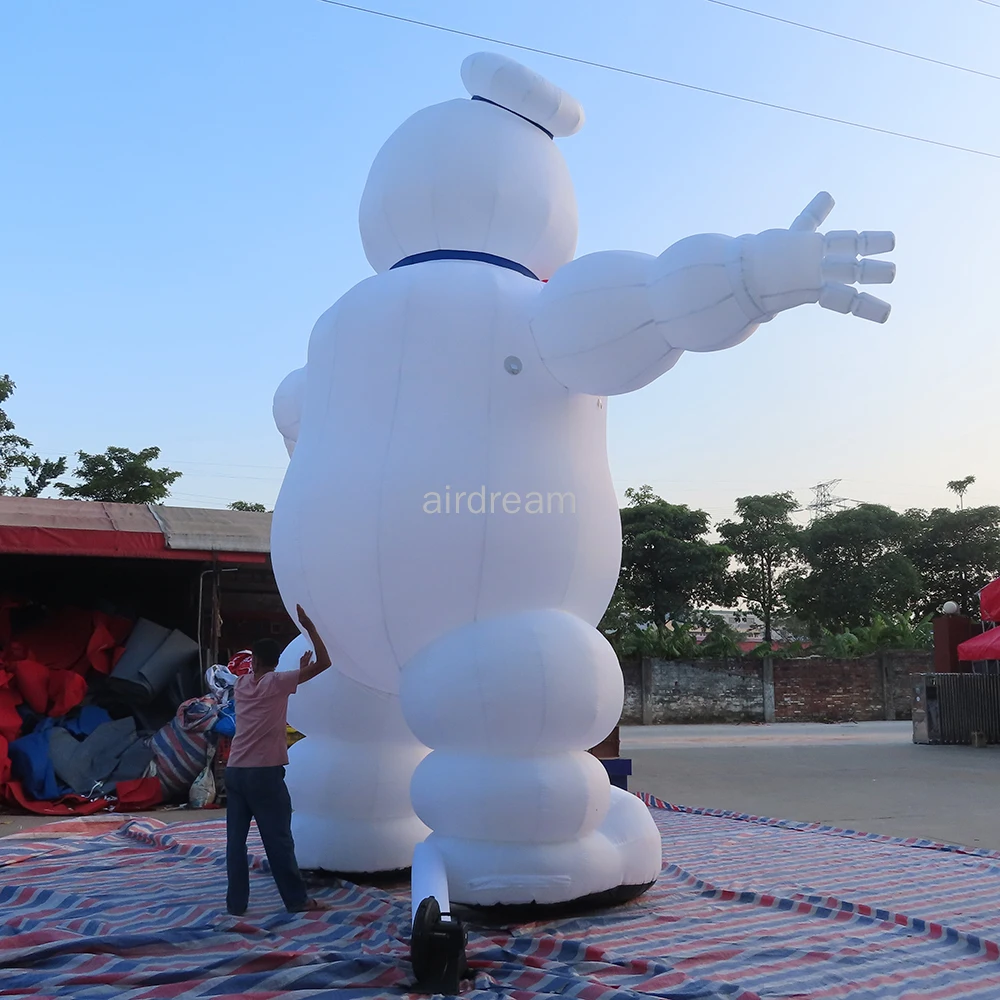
(784, 268)
(307, 667)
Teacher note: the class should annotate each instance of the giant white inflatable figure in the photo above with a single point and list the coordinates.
(448, 517)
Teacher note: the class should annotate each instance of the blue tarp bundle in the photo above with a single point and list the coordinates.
(85, 753)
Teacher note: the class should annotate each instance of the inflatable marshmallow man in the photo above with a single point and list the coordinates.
(448, 517)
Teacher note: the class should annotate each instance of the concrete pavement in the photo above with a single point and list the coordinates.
(864, 776)
(868, 776)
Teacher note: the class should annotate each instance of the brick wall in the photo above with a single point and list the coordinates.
(707, 690)
(632, 709)
(697, 691)
(903, 669)
(863, 690)
(822, 690)
(812, 689)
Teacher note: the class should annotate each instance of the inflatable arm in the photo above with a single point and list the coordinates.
(287, 407)
(612, 322)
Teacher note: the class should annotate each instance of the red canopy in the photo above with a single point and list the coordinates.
(981, 647)
(989, 602)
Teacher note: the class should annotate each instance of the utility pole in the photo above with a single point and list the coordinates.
(824, 501)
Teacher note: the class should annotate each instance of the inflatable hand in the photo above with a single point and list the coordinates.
(783, 268)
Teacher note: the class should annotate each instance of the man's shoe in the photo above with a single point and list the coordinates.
(309, 906)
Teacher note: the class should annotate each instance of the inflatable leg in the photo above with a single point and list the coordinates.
(521, 813)
(349, 778)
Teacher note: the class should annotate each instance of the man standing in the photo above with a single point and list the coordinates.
(255, 775)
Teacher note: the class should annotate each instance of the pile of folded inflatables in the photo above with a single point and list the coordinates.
(97, 711)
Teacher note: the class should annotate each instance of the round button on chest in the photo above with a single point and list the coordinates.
(512, 365)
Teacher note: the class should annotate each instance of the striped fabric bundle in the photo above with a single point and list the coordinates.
(180, 748)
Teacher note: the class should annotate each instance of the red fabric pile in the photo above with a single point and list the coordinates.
(141, 793)
(241, 663)
(45, 666)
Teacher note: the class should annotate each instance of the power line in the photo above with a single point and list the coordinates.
(661, 79)
(211, 465)
(230, 465)
(858, 41)
(223, 475)
(990, 3)
(200, 497)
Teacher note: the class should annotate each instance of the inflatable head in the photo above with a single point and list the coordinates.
(479, 175)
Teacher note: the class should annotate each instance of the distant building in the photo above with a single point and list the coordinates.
(750, 627)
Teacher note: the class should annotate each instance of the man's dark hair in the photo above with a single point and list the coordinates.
(266, 653)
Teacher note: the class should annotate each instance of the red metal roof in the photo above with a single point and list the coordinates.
(31, 526)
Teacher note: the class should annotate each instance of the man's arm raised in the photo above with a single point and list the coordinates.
(309, 668)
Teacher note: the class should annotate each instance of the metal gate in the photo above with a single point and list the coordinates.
(949, 708)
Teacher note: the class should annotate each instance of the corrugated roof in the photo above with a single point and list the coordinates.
(76, 515)
(33, 526)
(214, 530)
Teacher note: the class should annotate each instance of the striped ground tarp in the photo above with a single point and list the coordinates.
(747, 908)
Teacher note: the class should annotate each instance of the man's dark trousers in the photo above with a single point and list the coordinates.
(259, 793)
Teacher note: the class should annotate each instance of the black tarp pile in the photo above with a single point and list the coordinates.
(158, 670)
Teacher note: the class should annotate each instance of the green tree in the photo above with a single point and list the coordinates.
(621, 621)
(956, 553)
(667, 566)
(637, 495)
(763, 541)
(39, 473)
(959, 488)
(120, 476)
(856, 569)
(252, 508)
(16, 453)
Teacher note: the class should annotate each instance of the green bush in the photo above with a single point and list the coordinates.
(900, 631)
(677, 641)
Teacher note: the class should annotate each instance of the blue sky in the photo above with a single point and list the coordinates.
(181, 183)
